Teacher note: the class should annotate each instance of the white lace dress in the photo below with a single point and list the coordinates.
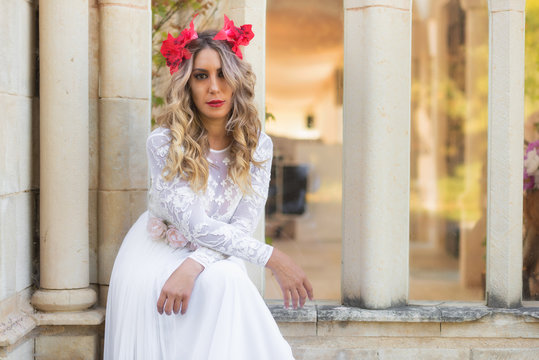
(227, 318)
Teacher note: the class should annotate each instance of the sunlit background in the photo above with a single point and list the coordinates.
(449, 118)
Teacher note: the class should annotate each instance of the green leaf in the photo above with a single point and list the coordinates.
(157, 101)
(159, 60)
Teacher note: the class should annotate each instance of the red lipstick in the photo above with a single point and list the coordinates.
(216, 103)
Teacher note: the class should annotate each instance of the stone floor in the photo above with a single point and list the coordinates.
(433, 276)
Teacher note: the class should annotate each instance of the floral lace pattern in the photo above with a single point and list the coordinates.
(221, 220)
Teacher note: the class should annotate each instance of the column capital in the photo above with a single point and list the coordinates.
(506, 5)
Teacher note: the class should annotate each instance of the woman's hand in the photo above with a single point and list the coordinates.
(293, 281)
(177, 290)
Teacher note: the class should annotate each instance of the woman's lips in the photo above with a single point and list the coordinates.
(216, 103)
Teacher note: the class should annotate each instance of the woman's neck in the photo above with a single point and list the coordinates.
(217, 135)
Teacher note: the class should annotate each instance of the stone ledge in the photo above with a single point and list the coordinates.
(307, 314)
(442, 313)
(94, 316)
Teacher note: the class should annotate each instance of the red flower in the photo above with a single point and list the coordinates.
(173, 49)
(235, 35)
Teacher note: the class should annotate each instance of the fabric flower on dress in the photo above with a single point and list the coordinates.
(174, 238)
(156, 228)
(159, 230)
(235, 36)
(173, 49)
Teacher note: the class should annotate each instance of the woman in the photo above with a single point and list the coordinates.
(178, 289)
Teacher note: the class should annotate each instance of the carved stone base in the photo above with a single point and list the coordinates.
(64, 300)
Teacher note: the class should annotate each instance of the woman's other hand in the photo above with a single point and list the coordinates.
(177, 290)
(293, 281)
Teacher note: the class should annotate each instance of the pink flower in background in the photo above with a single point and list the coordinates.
(175, 238)
(528, 181)
(156, 228)
(531, 166)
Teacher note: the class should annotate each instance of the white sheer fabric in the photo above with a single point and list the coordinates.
(227, 318)
(220, 219)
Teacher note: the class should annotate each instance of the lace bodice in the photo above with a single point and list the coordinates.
(221, 220)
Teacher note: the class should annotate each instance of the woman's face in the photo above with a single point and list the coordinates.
(211, 93)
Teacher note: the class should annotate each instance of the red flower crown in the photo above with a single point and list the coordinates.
(175, 51)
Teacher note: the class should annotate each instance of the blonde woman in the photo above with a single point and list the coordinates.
(178, 288)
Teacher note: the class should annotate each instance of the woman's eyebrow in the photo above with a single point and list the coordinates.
(204, 70)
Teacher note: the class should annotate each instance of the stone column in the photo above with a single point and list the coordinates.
(254, 12)
(63, 50)
(439, 73)
(425, 132)
(472, 230)
(124, 124)
(505, 153)
(376, 159)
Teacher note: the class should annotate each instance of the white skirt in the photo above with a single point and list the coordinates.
(226, 319)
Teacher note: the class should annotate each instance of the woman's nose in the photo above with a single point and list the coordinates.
(214, 84)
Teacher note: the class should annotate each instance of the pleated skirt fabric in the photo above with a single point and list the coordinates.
(226, 317)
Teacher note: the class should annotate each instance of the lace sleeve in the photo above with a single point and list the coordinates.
(185, 210)
(251, 206)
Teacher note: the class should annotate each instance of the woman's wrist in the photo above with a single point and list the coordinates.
(273, 259)
(192, 267)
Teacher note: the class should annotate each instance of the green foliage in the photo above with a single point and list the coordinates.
(532, 54)
(269, 116)
(456, 202)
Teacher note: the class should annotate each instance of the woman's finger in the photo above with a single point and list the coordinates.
(295, 297)
(161, 302)
(185, 303)
(177, 305)
(168, 305)
(309, 289)
(302, 295)
(286, 297)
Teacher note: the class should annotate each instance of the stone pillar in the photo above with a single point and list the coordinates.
(425, 131)
(376, 159)
(505, 153)
(124, 124)
(472, 230)
(63, 50)
(439, 73)
(254, 12)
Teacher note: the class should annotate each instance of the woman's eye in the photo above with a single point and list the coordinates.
(221, 74)
(200, 76)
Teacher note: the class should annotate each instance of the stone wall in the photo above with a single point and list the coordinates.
(19, 165)
(420, 331)
(124, 124)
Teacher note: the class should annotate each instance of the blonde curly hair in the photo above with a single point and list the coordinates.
(189, 138)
